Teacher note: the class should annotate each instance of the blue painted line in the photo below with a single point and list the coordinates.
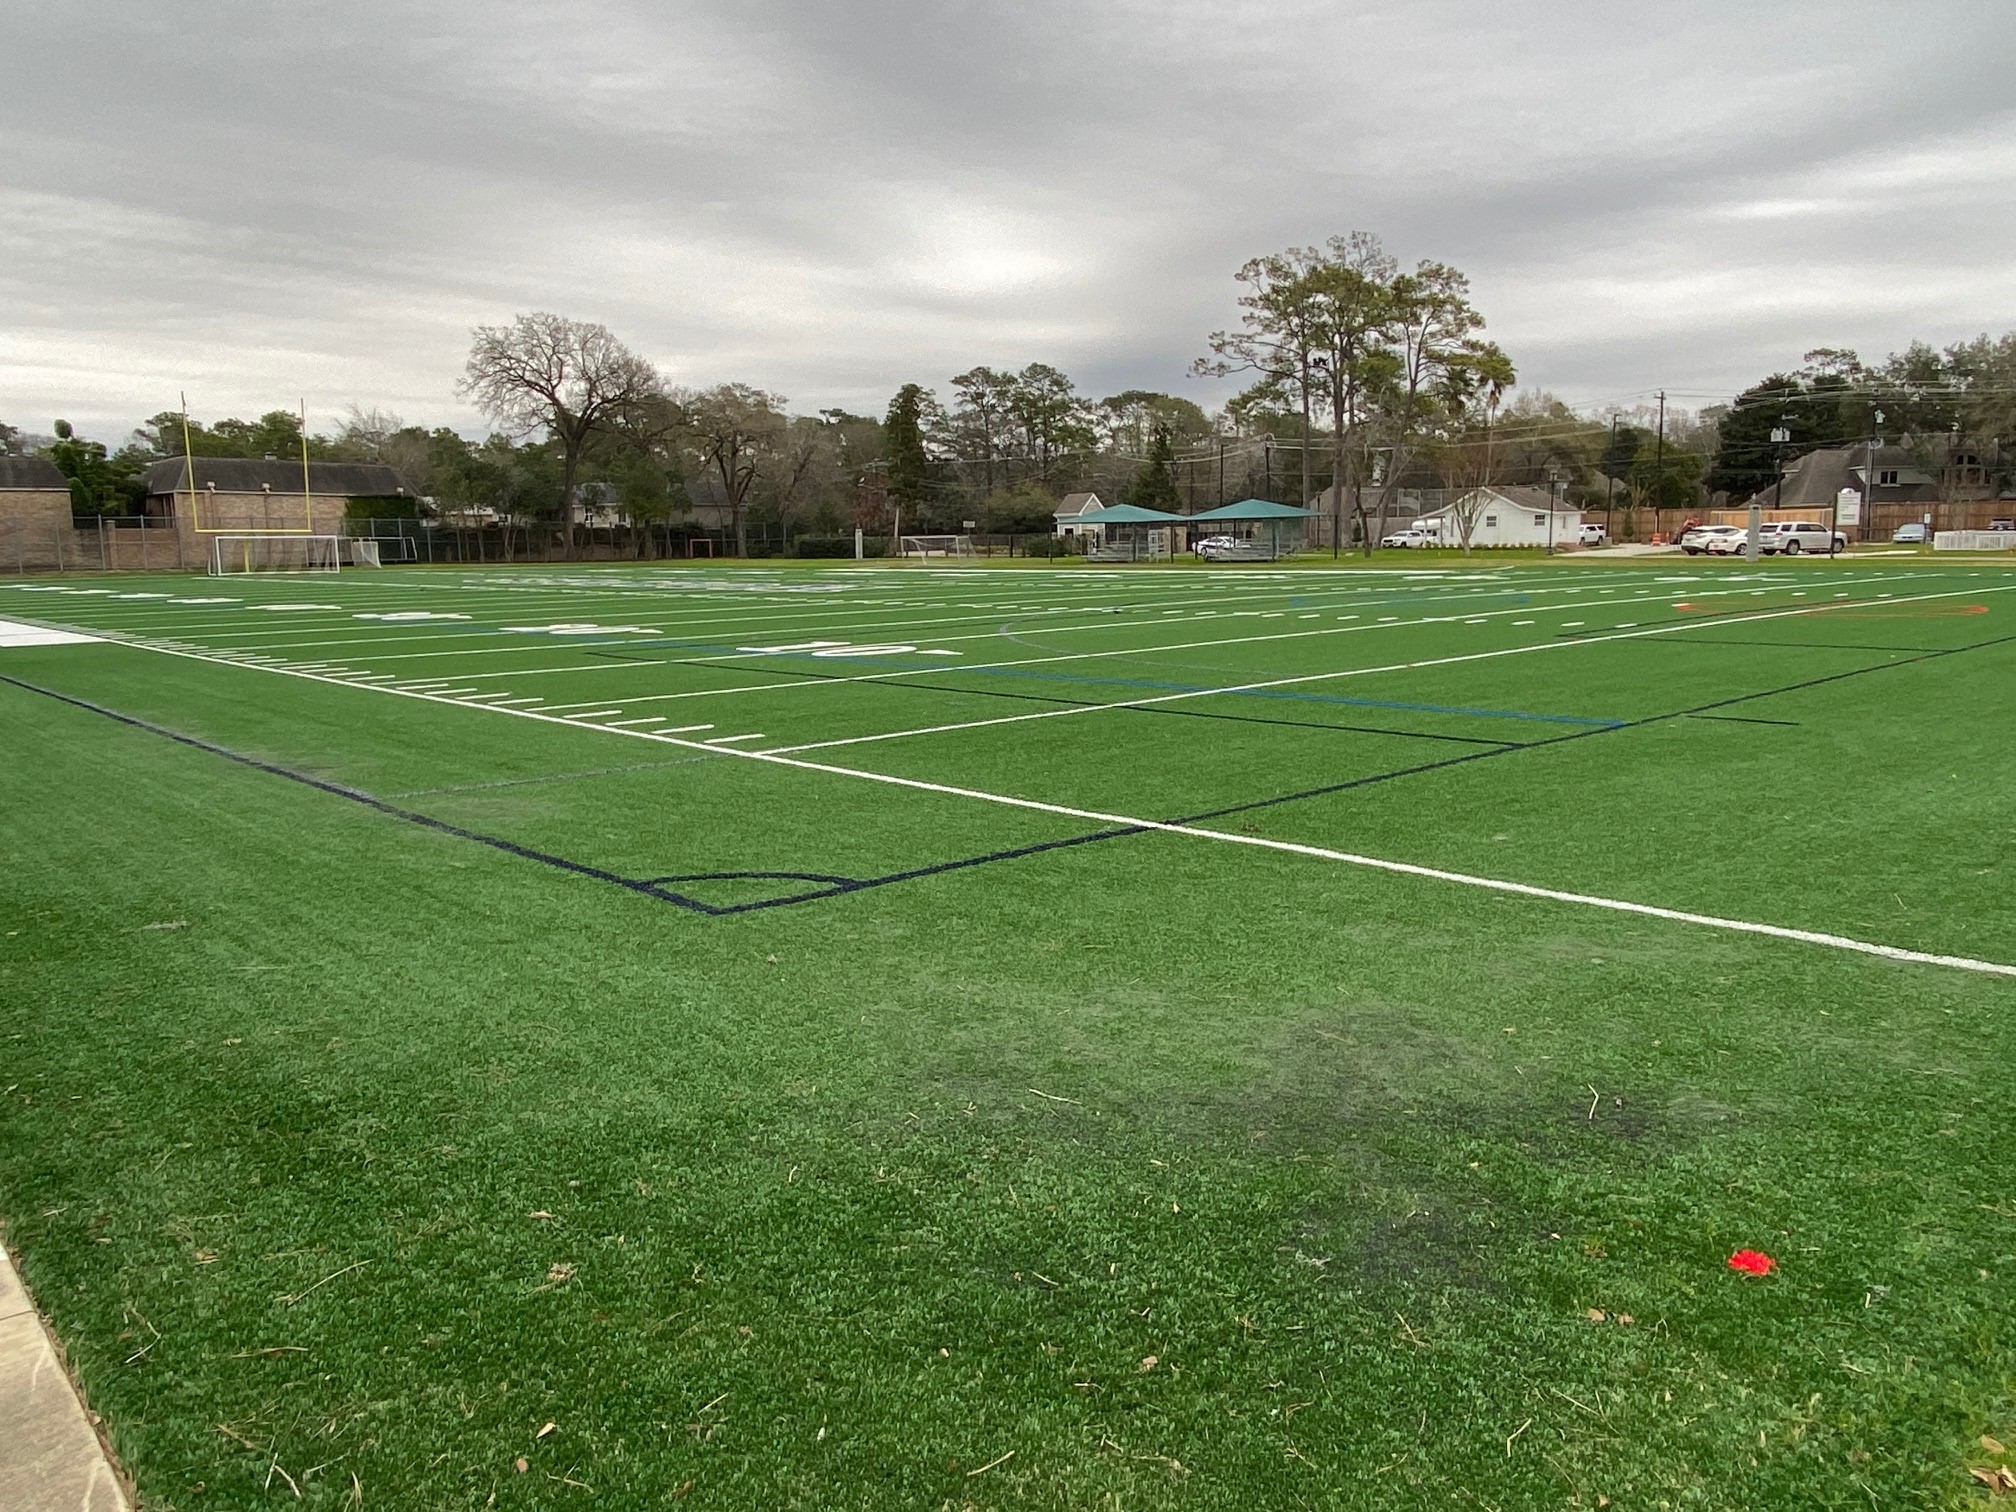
(1291, 696)
(1145, 684)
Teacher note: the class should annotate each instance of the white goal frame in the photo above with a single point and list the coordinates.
(235, 555)
(928, 546)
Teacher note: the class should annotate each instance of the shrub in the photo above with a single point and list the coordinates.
(838, 546)
(1046, 546)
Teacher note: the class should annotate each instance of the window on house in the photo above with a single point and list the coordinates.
(1490, 522)
(1539, 519)
(1887, 478)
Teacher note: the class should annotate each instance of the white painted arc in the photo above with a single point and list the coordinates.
(1405, 868)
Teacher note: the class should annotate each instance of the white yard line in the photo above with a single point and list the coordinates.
(572, 601)
(1314, 677)
(1386, 622)
(1317, 852)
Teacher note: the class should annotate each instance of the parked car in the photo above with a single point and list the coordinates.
(1792, 537)
(1224, 548)
(1592, 535)
(1410, 538)
(1727, 541)
(1695, 540)
(1911, 535)
(2002, 524)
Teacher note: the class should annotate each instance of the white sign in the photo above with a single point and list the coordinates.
(1848, 507)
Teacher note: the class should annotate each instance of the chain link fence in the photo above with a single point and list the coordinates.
(140, 543)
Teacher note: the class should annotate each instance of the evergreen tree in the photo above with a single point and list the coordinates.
(1747, 459)
(1621, 450)
(98, 484)
(903, 445)
(1154, 486)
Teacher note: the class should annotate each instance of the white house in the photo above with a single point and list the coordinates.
(1068, 511)
(1505, 515)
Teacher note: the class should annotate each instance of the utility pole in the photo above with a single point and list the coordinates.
(1780, 434)
(1610, 493)
(1659, 472)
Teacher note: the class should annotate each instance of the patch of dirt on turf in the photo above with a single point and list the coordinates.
(1341, 1071)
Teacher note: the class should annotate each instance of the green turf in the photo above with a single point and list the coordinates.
(1158, 1170)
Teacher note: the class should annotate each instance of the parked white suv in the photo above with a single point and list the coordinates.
(1591, 535)
(1795, 536)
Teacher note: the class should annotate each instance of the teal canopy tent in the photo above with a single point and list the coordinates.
(1128, 514)
(1255, 511)
(1133, 517)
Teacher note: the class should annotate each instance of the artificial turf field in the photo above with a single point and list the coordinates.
(870, 1037)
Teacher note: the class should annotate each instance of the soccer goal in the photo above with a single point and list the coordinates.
(936, 546)
(380, 551)
(231, 554)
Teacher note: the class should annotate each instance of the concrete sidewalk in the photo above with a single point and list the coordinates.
(49, 1456)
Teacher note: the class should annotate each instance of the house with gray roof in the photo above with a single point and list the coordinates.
(1960, 492)
(1070, 507)
(34, 514)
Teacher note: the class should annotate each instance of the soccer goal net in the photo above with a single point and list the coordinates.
(275, 553)
(936, 546)
(379, 551)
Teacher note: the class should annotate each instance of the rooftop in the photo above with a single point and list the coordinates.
(250, 475)
(30, 472)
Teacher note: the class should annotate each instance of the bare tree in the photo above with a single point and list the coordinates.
(569, 378)
(735, 429)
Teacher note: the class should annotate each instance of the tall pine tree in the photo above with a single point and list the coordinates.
(903, 445)
(1154, 486)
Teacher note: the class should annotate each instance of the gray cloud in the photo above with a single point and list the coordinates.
(255, 203)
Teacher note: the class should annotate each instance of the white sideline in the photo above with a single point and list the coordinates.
(1349, 858)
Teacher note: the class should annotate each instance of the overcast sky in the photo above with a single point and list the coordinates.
(260, 202)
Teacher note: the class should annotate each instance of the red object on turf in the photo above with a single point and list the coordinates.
(1755, 1262)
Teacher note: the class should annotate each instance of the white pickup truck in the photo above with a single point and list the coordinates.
(1410, 538)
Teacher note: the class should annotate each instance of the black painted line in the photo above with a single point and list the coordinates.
(1790, 724)
(1117, 706)
(833, 885)
(1536, 745)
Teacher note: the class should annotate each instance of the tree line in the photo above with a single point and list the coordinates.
(1363, 379)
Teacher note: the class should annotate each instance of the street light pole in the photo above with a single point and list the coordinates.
(1869, 477)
